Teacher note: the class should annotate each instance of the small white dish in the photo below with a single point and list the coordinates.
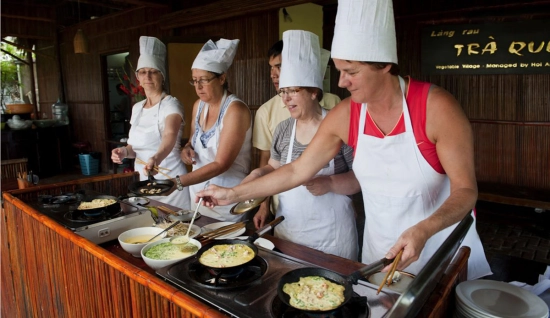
(399, 285)
(184, 216)
(265, 243)
(213, 226)
(137, 200)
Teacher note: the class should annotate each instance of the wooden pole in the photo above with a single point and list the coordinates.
(33, 86)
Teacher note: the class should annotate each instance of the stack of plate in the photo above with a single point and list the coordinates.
(491, 299)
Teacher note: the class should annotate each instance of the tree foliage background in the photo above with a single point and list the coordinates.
(9, 78)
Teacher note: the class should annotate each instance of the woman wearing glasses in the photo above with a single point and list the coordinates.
(317, 213)
(221, 133)
(157, 122)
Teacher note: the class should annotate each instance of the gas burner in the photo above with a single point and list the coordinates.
(79, 216)
(45, 198)
(50, 206)
(68, 198)
(92, 213)
(227, 278)
(227, 274)
(356, 307)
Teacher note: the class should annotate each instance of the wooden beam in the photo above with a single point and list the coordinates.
(28, 36)
(325, 2)
(96, 3)
(144, 3)
(25, 11)
(35, 27)
(24, 17)
(15, 57)
(222, 10)
(27, 49)
(510, 122)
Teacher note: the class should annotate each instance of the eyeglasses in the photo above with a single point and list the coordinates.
(150, 72)
(202, 81)
(289, 92)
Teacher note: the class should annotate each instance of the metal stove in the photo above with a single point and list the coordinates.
(98, 227)
(252, 292)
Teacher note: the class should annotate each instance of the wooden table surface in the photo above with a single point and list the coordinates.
(341, 265)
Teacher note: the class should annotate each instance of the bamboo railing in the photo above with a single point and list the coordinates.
(12, 168)
(49, 271)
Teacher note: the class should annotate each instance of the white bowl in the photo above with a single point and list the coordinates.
(19, 124)
(156, 263)
(135, 249)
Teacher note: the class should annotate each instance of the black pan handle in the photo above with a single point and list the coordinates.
(265, 229)
(369, 269)
(150, 176)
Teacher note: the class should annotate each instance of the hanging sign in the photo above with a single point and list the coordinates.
(500, 48)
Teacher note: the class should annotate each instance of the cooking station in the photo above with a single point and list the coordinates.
(252, 291)
(53, 271)
(97, 225)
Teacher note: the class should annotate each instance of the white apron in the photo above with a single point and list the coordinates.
(400, 189)
(145, 141)
(325, 223)
(205, 155)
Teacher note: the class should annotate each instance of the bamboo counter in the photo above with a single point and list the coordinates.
(49, 271)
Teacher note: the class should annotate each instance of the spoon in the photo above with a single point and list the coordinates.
(184, 239)
(166, 229)
(185, 247)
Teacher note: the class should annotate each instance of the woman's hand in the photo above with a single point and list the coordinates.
(118, 154)
(319, 185)
(412, 243)
(252, 176)
(148, 168)
(188, 155)
(215, 195)
(261, 216)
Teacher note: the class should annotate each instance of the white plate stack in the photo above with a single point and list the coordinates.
(492, 299)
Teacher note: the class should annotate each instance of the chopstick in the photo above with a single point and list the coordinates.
(156, 168)
(389, 276)
(225, 231)
(222, 231)
(164, 174)
(392, 272)
(167, 210)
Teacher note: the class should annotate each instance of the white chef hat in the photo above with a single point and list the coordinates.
(300, 60)
(216, 57)
(365, 31)
(325, 57)
(152, 53)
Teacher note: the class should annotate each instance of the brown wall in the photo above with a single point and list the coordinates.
(82, 73)
(82, 82)
(510, 114)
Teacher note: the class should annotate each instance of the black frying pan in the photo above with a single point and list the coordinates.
(111, 209)
(347, 281)
(249, 242)
(149, 184)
